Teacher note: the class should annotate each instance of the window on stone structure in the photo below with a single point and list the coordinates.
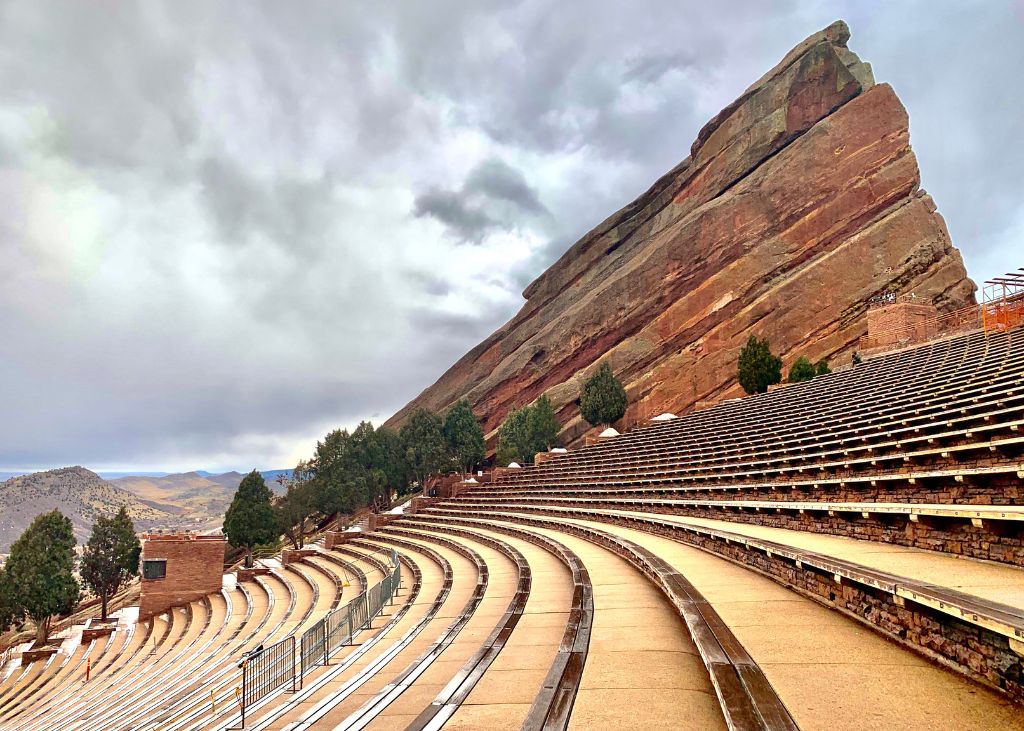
(154, 569)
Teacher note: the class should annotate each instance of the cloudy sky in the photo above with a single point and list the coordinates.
(230, 226)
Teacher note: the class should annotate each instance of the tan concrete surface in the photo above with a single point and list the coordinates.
(639, 634)
(833, 673)
(991, 581)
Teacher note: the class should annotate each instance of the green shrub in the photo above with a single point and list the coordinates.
(758, 367)
(603, 400)
(802, 370)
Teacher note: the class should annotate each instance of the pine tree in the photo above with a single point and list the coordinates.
(758, 367)
(293, 508)
(821, 368)
(250, 519)
(39, 574)
(543, 425)
(6, 604)
(111, 556)
(514, 442)
(423, 445)
(801, 370)
(604, 399)
(464, 435)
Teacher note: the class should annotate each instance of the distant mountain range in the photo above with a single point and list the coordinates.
(80, 494)
(191, 500)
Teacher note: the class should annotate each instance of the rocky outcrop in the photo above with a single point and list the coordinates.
(800, 201)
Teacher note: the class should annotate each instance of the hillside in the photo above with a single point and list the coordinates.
(199, 497)
(187, 494)
(79, 494)
(799, 203)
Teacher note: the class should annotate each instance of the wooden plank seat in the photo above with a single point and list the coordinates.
(329, 707)
(318, 693)
(818, 661)
(452, 695)
(184, 678)
(413, 670)
(187, 685)
(635, 446)
(978, 438)
(662, 433)
(552, 703)
(174, 626)
(896, 440)
(986, 532)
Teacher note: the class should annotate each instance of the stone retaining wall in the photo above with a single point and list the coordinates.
(993, 540)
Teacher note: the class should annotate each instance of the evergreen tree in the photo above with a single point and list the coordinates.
(464, 435)
(758, 367)
(821, 368)
(39, 574)
(423, 445)
(603, 400)
(543, 425)
(339, 479)
(801, 370)
(250, 520)
(293, 508)
(111, 556)
(515, 443)
(395, 468)
(6, 603)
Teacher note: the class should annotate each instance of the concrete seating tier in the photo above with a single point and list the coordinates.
(943, 409)
(766, 562)
(803, 559)
(989, 532)
(860, 667)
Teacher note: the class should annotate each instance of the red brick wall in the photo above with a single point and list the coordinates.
(195, 565)
(900, 322)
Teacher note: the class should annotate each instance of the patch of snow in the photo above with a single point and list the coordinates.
(609, 432)
(558, 450)
(514, 465)
(229, 582)
(470, 481)
(665, 417)
(399, 510)
(353, 529)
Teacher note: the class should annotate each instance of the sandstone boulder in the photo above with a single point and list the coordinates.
(800, 201)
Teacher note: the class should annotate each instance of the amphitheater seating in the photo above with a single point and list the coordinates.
(840, 554)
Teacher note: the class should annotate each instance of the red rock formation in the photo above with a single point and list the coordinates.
(799, 202)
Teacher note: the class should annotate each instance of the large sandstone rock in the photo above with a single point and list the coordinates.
(799, 202)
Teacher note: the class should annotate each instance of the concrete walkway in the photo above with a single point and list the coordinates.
(995, 582)
(832, 673)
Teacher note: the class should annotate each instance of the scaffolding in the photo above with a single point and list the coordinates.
(1002, 306)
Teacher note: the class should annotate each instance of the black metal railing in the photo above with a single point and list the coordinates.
(267, 670)
(264, 671)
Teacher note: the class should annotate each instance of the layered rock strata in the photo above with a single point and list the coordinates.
(800, 201)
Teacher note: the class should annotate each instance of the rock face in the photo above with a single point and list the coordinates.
(800, 201)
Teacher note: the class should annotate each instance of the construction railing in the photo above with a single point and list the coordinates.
(266, 670)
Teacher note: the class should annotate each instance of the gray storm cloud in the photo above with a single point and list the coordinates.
(230, 226)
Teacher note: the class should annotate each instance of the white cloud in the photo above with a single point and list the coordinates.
(210, 247)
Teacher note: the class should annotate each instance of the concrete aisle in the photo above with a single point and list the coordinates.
(832, 673)
(641, 658)
(991, 581)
